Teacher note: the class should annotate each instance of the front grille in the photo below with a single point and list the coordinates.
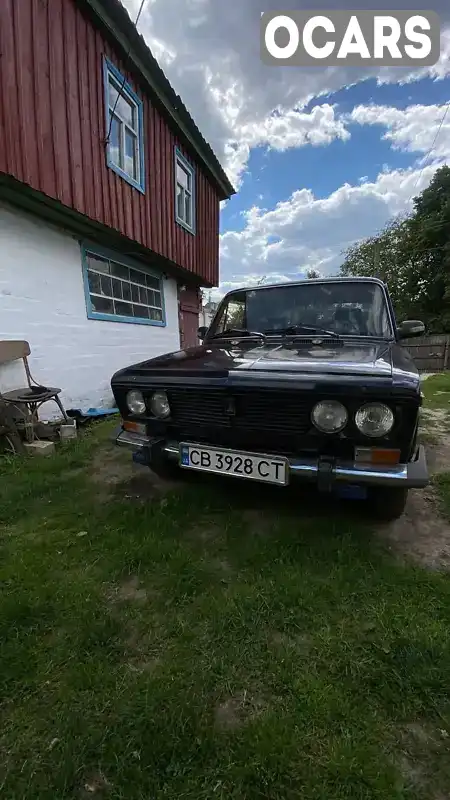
(275, 420)
(268, 410)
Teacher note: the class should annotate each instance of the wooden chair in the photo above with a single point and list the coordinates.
(34, 395)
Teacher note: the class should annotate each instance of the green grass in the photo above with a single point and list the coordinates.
(436, 390)
(188, 646)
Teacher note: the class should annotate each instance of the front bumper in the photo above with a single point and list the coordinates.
(413, 475)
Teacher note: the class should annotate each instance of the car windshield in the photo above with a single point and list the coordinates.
(355, 308)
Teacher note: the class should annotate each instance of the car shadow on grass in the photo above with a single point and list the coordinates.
(298, 499)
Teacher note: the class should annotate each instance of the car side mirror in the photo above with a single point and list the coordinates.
(201, 333)
(410, 328)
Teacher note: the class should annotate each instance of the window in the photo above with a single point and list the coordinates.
(118, 289)
(184, 192)
(232, 316)
(124, 128)
(346, 307)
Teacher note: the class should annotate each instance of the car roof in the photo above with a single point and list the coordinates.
(307, 281)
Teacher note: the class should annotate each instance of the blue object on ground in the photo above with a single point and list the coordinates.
(91, 412)
(100, 412)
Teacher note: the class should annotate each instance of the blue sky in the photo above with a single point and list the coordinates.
(272, 175)
(321, 158)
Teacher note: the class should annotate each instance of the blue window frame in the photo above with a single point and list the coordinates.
(184, 192)
(119, 289)
(124, 127)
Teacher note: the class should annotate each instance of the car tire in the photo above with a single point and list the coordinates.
(387, 504)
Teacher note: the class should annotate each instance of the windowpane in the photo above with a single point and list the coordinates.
(140, 311)
(119, 271)
(187, 207)
(153, 283)
(94, 282)
(126, 111)
(155, 314)
(105, 285)
(112, 94)
(134, 293)
(123, 309)
(131, 154)
(180, 202)
(137, 277)
(98, 264)
(183, 177)
(115, 147)
(102, 305)
(126, 291)
(117, 288)
(143, 298)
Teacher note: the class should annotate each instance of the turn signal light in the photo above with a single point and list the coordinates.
(376, 455)
(133, 427)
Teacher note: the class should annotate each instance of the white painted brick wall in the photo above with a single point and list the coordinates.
(42, 301)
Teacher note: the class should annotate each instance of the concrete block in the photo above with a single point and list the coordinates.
(40, 448)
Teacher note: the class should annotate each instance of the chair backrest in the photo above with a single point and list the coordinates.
(12, 350)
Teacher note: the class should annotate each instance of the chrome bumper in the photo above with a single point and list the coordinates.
(413, 475)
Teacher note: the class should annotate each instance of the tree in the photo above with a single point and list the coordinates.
(312, 273)
(412, 255)
(431, 228)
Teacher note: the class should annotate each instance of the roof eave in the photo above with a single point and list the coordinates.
(116, 20)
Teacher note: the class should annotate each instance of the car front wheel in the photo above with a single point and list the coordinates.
(387, 503)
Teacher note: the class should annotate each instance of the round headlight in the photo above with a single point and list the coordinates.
(329, 416)
(374, 419)
(136, 402)
(159, 405)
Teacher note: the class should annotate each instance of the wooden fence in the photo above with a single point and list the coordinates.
(430, 353)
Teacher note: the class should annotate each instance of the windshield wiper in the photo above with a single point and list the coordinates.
(294, 329)
(239, 332)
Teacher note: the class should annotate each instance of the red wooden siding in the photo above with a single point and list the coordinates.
(52, 132)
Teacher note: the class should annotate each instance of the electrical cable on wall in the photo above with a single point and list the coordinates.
(124, 78)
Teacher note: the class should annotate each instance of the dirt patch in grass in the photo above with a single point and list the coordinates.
(424, 758)
(130, 591)
(421, 533)
(205, 533)
(435, 420)
(260, 522)
(301, 644)
(145, 485)
(116, 475)
(438, 455)
(95, 785)
(235, 711)
(110, 467)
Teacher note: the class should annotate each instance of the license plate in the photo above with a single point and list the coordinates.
(253, 466)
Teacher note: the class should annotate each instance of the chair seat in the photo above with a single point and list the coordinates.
(25, 395)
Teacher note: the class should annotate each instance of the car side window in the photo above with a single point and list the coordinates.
(232, 315)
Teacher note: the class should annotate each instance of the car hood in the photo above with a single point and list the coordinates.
(220, 360)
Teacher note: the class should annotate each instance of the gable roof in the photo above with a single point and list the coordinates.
(116, 20)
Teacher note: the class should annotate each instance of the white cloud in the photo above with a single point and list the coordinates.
(210, 53)
(305, 232)
(412, 129)
(284, 130)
